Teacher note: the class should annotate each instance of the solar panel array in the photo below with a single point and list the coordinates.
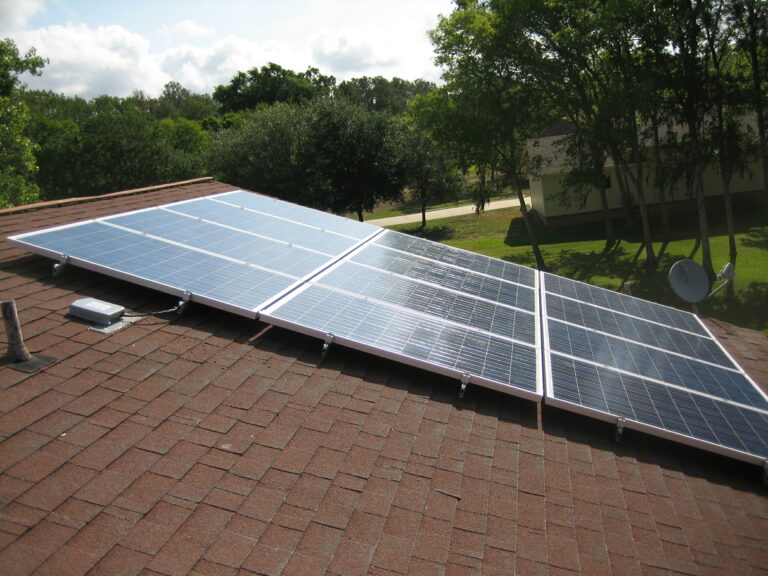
(235, 251)
(650, 367)
(454, 312)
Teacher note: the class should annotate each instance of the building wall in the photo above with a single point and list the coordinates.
(547, 198)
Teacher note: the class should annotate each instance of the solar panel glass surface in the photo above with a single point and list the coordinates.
(295, 213)
(613, 356)
(221, 253)
(412, 337)
(435, 306)
(414, 300)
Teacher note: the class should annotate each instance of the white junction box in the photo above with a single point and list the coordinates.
(96, 311)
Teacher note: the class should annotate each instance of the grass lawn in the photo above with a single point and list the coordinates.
(579, 254)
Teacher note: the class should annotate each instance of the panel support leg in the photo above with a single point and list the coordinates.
(181, 307)
(326, 345)
(619, 428)
(765, 472)
(464, 383)
(59, 267)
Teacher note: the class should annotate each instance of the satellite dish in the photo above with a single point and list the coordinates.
(689, 281)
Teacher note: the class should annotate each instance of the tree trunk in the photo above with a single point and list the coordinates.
(650, 255)
(480, 200)
(360, 213)
(423, 211)
(529, 228)
(701, 206)
(661, 184)
(626, 199)
(732, 252)
(610, 235)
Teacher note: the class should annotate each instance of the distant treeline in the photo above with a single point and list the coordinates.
(294, 135)
(660, 89)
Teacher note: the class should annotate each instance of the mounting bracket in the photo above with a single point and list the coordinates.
(619, 428)
(326, 345)
(58, 267)
(464, 383)
(181, 307)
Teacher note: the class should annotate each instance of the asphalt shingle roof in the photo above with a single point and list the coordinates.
(212, 444)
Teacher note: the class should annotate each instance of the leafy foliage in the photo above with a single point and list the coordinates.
(266, 152)
(382, 95)
(17, 158)
(271, 84)
(357, 156)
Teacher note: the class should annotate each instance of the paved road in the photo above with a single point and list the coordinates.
(444, 213)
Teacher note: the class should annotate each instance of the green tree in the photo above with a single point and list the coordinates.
(271, 84)
(429, 171)
(382, 95)
(17, 158)
(356, 156)
(689, 90)
(55, 128)
(500, 103)
(120, 147)
(267, 151)
(185, 148)
(749, 22)
(175, 101)
(730, 98)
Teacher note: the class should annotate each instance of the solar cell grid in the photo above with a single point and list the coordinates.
(636, 329)
(653, 404)
(435, 272)
(361, 281)
(408, 335)
(623, 303)
(457, 257)
(296, 213)
(224, 241)
(631, 357)
(437, 307)
(265, 226)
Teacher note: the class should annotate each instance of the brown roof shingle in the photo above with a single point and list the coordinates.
(213, 444)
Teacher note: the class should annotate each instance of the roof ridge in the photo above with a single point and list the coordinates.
(70, 201)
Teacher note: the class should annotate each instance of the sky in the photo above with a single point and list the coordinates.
(114, 47)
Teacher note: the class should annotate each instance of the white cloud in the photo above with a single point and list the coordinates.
(345, 58)
(15, 13)
(344, 38)
(187, 29)
(201, 69)
(89, 61)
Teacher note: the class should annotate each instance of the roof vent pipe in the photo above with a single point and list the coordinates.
(18, 354)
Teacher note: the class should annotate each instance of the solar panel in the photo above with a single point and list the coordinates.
(412, 300)
(433, 306)
(224, 250)
(649, 367)
(465, 315)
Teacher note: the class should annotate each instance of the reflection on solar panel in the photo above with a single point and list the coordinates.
(225, 251)
(444, 309)
(649, 367)
(457, 313)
